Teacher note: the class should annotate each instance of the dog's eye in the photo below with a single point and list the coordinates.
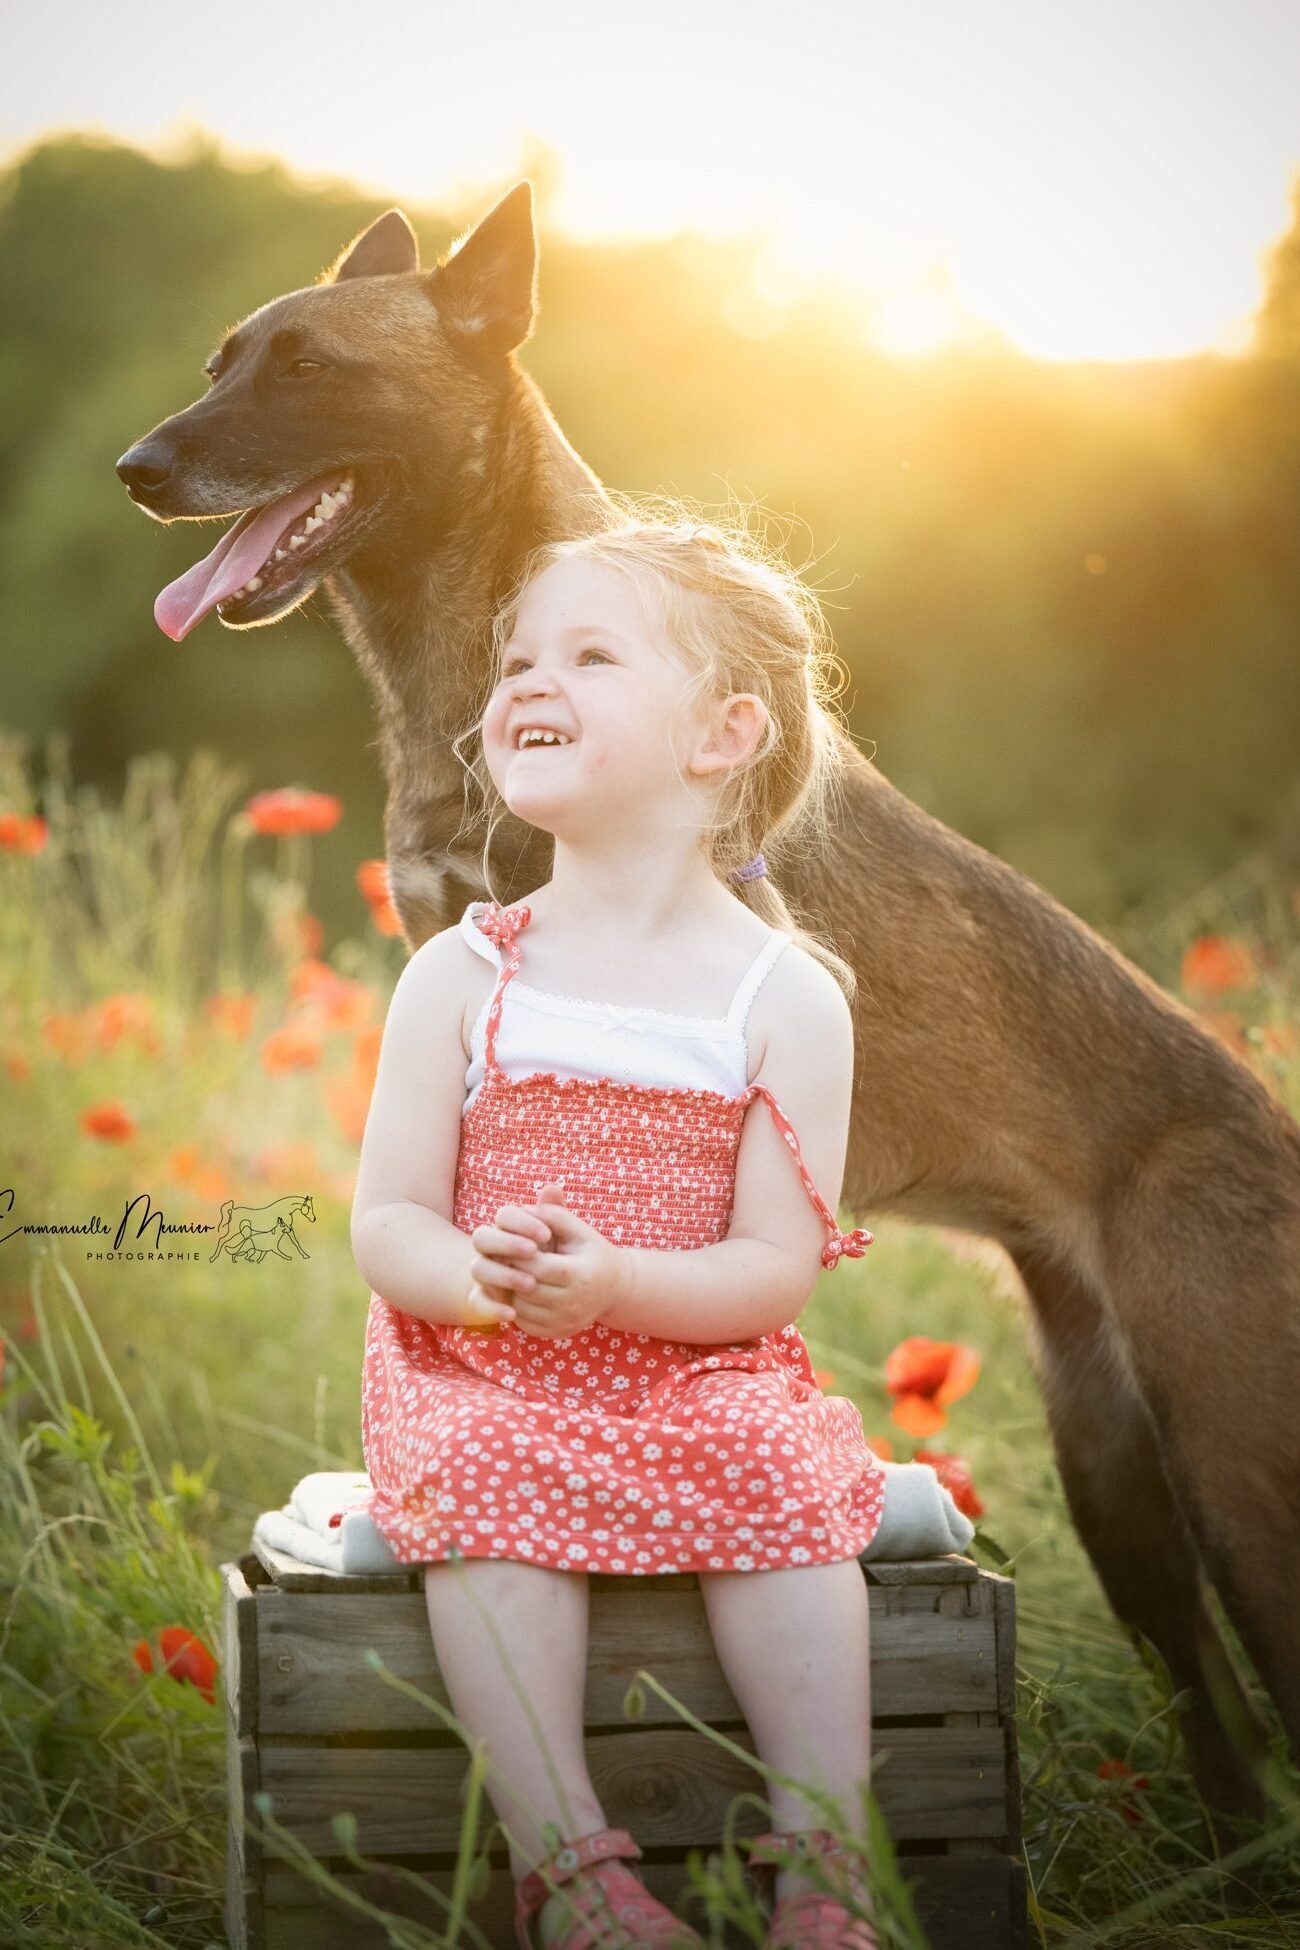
(300, 367)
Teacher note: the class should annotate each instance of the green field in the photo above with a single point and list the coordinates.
(148, 1411)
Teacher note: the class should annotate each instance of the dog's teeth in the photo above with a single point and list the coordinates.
(279, 555)
(253, 584)
(296, 541)
(313, 523)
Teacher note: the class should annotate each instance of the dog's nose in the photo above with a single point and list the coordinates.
(143, 470)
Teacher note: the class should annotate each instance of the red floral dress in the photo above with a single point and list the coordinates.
(610, 1451)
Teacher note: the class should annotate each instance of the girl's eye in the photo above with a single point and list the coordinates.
(509, 668)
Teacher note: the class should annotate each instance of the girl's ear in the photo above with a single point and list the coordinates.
(738, 728)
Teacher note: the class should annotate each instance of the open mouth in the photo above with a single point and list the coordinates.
(263, 557)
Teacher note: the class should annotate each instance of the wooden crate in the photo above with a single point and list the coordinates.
(311, 1725)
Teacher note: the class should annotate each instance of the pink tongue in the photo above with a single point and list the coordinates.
(242, 552)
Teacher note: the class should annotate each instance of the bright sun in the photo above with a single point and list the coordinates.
(1094, 183)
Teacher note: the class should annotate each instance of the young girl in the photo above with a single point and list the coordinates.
(590, 1259)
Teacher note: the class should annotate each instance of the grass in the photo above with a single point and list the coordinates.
(150, 1409)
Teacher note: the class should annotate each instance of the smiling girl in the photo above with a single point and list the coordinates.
(587, 1260)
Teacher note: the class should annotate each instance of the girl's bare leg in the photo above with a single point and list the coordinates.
(795, 1647)
(540, 1617)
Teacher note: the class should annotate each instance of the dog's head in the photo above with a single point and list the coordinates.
(336, 410)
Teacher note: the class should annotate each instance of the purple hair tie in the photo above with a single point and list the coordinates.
(754, 871)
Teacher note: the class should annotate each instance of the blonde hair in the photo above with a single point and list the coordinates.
(741, 620)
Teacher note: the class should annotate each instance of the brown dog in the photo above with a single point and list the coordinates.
(1026, 1082)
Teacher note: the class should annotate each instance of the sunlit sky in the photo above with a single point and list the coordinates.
(1095, 180)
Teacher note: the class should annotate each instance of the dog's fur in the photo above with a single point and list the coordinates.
(1018, 1077)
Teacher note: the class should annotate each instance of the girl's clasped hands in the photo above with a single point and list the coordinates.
(541, 1268)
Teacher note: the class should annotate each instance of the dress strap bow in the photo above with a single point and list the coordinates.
(502, 924)
(851, 1244)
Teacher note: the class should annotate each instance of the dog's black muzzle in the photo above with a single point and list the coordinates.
(145, 469)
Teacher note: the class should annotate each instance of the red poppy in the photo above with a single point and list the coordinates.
(824, 1377)
(954, 1473)
(23, 832)
(231, 1012)
(372, 879)
(290, 809)
(188, 1659)
(123, 1015)
(312, 978)
(109, 1120)
(68, 1033)
(142, 1655)
(1216, 964)
(923, 1376)
(294, 1046)
(17, 1065)
(1119, 1770)
(344, 1004)
(881, 1446)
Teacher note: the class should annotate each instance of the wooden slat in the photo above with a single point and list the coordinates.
(671, 1786)
(242, 1913)
(1004, 1619)
(244, 1861)
(240, 1656)
(951, 1568)
(291, 1574)
(962, 1905)
(933, 1650)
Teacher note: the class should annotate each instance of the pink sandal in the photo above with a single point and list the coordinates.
(615, 1909)
(807, 1919)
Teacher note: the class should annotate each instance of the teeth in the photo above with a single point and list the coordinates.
(534, 737)
(325, 510)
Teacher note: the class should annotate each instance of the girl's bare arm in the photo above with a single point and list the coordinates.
(406, 1245)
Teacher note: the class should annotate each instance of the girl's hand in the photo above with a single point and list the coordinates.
(563, 1291)
(500, 1268)
(487, 1308)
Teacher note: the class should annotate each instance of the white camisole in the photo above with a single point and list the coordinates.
(577, 1038)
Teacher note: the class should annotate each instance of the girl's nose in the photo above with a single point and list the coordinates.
(532, 683)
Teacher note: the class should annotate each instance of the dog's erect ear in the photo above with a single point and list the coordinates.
(485, 291)
(387, 247)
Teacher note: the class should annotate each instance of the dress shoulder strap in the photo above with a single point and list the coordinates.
(477, 939)
(753, 977)
(854, 1243)
(500, 925)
